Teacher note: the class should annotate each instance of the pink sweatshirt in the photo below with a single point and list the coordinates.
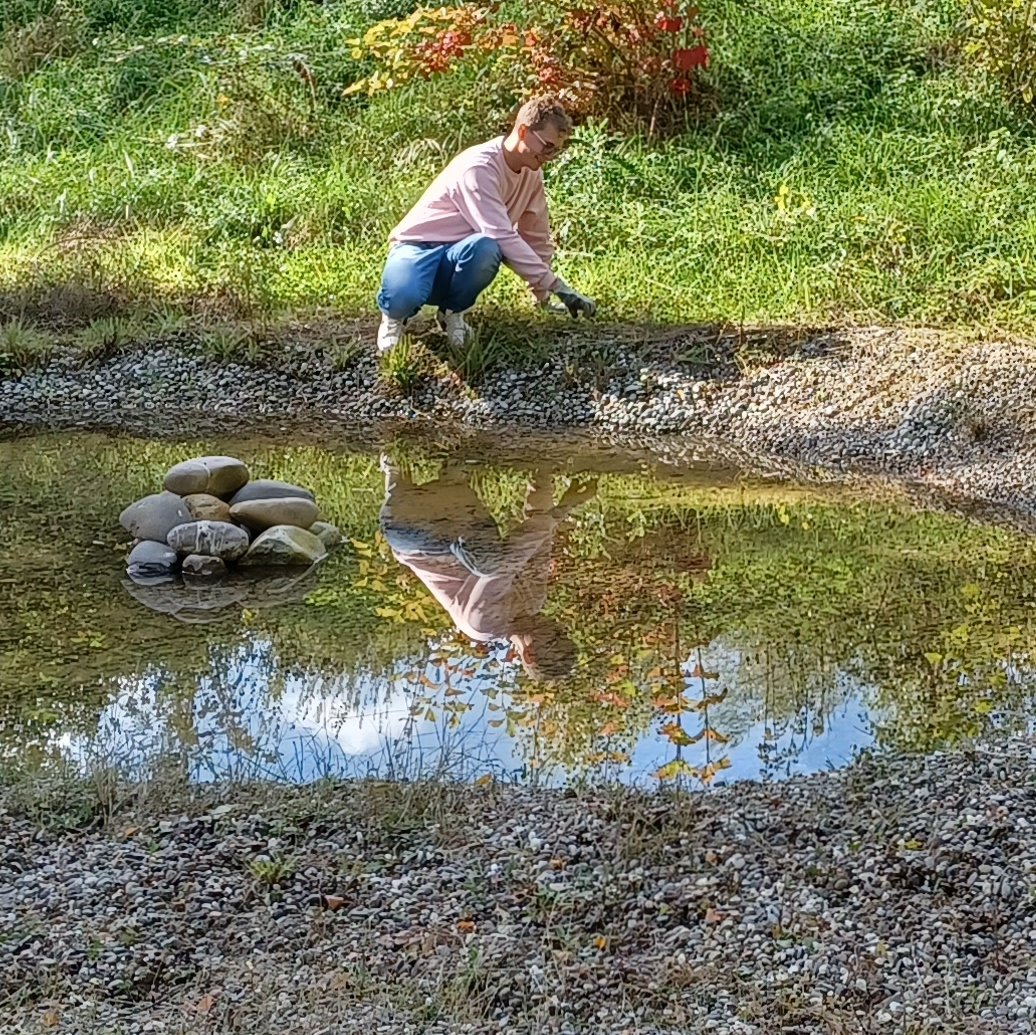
(479, 193)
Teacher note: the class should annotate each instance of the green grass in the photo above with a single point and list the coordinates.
(850, 166)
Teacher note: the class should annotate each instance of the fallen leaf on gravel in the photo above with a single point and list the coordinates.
(466, 926)
(714, 916)
(51, 1019)
(205, 1004)
(332, 902)
(601, 942)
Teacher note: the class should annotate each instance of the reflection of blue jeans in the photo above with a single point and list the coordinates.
(450, 276)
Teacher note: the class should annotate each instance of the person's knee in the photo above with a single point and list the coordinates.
(486, 254)
(401, 304)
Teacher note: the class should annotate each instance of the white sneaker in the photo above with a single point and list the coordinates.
(389, 333)
(455, 327)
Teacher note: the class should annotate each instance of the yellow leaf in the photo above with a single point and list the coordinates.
(933, 657)
(600, 942)
(485, 780)
(983, 707)
(676, 734)
(676, 768)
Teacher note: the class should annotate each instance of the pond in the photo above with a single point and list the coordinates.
(532, 611)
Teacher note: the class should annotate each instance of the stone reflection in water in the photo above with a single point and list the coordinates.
(492, 586)
(199, 601)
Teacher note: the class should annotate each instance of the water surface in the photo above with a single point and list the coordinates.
(519, 610)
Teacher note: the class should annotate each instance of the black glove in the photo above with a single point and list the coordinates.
(574, 302)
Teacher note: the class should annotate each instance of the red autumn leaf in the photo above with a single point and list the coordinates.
(668, 22)
(687, 58)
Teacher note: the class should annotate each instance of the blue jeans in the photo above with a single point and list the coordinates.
(450, 276)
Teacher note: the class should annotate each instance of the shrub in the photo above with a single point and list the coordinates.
(1002, 37)
(629, 61)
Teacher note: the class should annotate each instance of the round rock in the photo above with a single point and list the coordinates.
(203, 506)
(328, 534)
(148, 559)
(210, 539)
(285, 544)
(268, 489)
(154, 516)
(218, 475)
(259, 515)
(202, 566)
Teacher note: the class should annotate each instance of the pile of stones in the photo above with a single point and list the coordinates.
(211, 517)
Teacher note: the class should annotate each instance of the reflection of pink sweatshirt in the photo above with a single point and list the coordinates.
(484, 607)
(479, 193)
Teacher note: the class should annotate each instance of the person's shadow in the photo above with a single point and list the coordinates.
(493, 587)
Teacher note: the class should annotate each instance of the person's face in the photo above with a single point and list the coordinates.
(540, 146)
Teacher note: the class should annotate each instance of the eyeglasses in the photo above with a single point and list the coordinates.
(547, 147)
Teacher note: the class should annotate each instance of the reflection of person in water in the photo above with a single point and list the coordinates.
(493, 588)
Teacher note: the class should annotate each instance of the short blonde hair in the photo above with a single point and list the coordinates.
(542, 109)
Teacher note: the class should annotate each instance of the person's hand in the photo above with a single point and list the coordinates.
(574, 302)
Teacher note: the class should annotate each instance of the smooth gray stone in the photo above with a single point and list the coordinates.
(218, 475)
(285, 544)
(260, 515)
(148, 559)
(155, 516)
(203, 506)
(210, 538)
(268, 489)
(328, 534)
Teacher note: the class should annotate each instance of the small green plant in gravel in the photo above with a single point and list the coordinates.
(224, 344)
(22, 345)
(402, 368)
(107, 335)
(271, 870)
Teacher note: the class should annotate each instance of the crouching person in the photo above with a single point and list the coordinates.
(485, 208)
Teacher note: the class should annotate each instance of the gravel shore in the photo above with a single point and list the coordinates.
(930, 408)
(893, 896)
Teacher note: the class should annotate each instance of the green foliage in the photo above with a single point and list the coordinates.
(1001, 36)
(632, 61)
(848, 164)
